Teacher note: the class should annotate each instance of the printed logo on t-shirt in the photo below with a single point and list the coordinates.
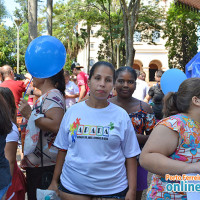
(90, 131)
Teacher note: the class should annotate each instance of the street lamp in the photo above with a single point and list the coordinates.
(118, 40)
(17, 24)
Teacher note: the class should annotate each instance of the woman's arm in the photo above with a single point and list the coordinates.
(71, 95)
(10, 153)
(131, 168)
(82, 92)
(154, 157)
(51, 121)
(57, 171)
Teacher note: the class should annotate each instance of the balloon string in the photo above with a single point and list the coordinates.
(27, 87)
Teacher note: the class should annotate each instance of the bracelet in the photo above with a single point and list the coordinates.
(31, 92)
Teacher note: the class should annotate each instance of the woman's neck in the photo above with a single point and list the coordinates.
(194, 114)
(46, 87)
(96, 103)
(124, 101)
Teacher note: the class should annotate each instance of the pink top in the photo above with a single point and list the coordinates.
(82, 78)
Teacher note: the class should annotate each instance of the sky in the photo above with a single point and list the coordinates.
(10, 7)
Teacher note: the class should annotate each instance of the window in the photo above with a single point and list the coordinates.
(92, 61)
(156, 36)
(137, 36)
(92, 32)
(92, 45)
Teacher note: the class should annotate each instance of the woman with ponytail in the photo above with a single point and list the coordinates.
(46, 115)
(173, 146)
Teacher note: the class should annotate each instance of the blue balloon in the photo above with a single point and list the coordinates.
(45, 56)
(171, 80)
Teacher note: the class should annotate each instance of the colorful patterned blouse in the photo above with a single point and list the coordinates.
(51, 99)
(187, 151)
(142, 121)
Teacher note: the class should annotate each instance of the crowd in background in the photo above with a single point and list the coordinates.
(91, 131)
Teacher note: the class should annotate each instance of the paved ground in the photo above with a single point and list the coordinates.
(144, 192)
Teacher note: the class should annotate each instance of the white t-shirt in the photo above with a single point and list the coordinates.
(13, 136)
(98, 142)
(70, 89)
(141, 90)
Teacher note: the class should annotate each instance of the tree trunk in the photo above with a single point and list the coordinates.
(130, 16)
(88, 43)
(32, 19)
(111, 34)
(49, 16)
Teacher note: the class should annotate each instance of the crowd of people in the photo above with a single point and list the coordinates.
(98, 135)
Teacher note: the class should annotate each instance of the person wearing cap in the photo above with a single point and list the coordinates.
(82, 78)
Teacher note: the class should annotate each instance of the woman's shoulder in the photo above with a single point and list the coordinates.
(173, 122)
(13, 136)
(146, 107)
(55, 95)
(53, 98)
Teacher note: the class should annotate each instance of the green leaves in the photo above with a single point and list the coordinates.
(181, 34)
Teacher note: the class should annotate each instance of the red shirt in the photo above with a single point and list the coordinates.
(17, 88)
(82, 78)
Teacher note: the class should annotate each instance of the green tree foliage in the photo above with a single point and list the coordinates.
(22, 12)
(6, 46)
(66, 19)
(3, 12)
(150, 19)
(181, 33)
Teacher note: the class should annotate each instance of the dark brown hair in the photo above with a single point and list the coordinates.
(179, 102)
(5, 122)
(98, 64)
(10, 100)
(59, 81)
(128, 69)
(66, 73)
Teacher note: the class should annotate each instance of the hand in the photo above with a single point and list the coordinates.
(130, 195)
(29, 90)
(54, 186)
(24, 108)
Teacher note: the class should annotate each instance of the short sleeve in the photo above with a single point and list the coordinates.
(81, 80)
(61, 140)
(172, 123)
(53, 100)
(150, 121)
(151, 92)
(130, 144)
(13, 136)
